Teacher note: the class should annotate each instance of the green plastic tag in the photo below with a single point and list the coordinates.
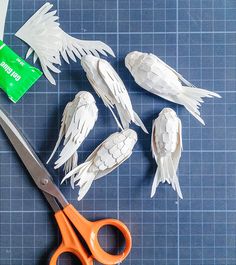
(16, 75)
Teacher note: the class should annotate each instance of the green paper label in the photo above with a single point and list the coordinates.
(16, 75)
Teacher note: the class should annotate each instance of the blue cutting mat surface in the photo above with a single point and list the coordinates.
(196, 37)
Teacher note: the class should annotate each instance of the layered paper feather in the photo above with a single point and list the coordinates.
(109, 86)
(78, 120)
(166, 147)
(104, 159)
(49, 42)
(154, 75)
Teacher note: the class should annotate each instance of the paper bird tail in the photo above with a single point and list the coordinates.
(61, 134)
(85, 185)
(68, 151)
(83, 177)
(69, 165)
(155, 183)
(166, 173)
(191, 98)
(126, 118)
(139, 122)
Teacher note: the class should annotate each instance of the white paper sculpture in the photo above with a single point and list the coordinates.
(154, 75)
(104, 159)
(48, 41)
(166, 146)
(3, 14)
(109, 86)
(78, 120)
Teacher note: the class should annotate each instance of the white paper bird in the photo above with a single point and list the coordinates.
(166, 144)
(154, 75)
(109, 86)
(78, 120)
(3, 14)
(104, 159)
(48, 41)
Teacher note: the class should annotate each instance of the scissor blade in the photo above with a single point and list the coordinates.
(23, 148)
(38, 172)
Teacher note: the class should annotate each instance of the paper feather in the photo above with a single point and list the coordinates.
(49, 42)
(104, 159)
(166, 144)
(154, 75)
(109, 86)
(78, 120)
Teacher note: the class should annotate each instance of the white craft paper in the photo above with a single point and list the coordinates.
(109, 86)
(3, 14)
(154, 75)
(104, 159)
(48, 42)
(78, 120)
(166, 144)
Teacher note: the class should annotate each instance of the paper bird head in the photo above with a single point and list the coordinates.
(85, 97)
(132, 59)
(88, 62)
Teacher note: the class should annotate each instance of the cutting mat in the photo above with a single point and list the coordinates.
(196, 37)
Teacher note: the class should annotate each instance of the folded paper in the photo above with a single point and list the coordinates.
(109, 86)
(78, 120)
(49, 42)
(166, 144)
(154, 75)
(104, 159)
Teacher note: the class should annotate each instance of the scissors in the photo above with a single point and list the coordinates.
(65, 214)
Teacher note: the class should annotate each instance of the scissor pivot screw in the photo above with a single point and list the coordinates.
(44, 181)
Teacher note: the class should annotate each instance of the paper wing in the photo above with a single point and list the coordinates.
(118, 91)
(81, 124)
(177, 154)
(181, 78)
(66, 117)
(74, 48)
(40, 32)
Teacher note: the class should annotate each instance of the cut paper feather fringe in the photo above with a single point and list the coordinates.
(48, 42)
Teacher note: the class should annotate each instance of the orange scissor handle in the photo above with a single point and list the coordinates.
(89, 231)
(70, 242)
